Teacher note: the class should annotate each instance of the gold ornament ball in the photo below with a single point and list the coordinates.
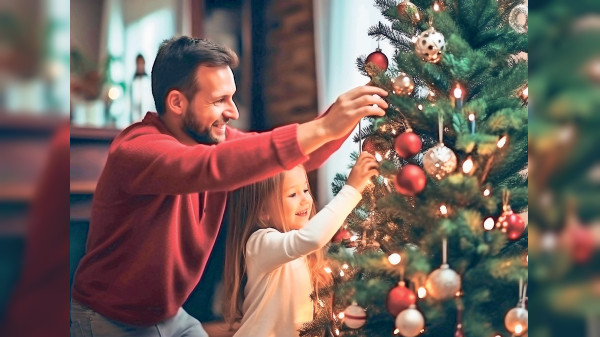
(592, 70)
(439, 161)
(409, 9)
(403, 85)
(443, 283)
(410, 322)
(516, 320)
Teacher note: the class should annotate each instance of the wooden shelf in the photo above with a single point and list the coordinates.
(16, 192)
(28, 124)
(94, 134)
(83, 187)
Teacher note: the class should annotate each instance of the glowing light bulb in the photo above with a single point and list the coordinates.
(395, 258)
(342, 273)
(486, 192)
(457, 92)
(518, 328)
(501, 142)
(420, 106)
(396, 332)
(353, 238)
(378, 157)
(443, 210)
(467, 166)
(489, 224)
(341, 315)
(114, 93)
(436, 7)
(472, 117)
(526, 92)
(344, 266)
(422, 292)
(328, 270)
(337, 332)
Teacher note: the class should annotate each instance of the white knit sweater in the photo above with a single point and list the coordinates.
(277, 295)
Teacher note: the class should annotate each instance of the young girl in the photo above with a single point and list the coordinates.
(274, 255)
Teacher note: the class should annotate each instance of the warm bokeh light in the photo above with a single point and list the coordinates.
(458, 92)
(518, 329)
(468, 165)
(502, 142)
(395, 258)
(443, 210)
(489, 224)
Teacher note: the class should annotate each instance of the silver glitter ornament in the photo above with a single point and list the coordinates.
(516, 23)
(439, 161)
(410, 322)
(516, 320)
(430, 45)
(443, 283)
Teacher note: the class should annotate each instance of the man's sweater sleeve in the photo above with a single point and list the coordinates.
(269, 248)
(159, 164)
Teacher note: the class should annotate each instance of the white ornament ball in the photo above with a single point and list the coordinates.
(355, 316)
(430, 45)
(410, 322)
(516, 320)
(443, 283)
(439, 161)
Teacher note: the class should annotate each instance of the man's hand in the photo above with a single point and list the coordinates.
(342, 117)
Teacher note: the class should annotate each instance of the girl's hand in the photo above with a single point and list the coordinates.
(366, 167)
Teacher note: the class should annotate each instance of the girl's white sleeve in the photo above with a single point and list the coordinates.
(269, 248)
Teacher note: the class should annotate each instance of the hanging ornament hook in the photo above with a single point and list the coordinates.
(445, 251)
(441, 127)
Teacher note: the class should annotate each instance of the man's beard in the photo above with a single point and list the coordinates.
(192, 128)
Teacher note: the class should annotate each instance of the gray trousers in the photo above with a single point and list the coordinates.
(85, 322)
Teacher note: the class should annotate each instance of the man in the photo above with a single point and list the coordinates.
(141, 91)
(160, 199)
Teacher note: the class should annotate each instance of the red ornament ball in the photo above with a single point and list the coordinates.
(375, 144)
(378, 59)
(511, 224)
(342, 234)
(410, 180)
(400, 298)
(408, 144)
(582, 243)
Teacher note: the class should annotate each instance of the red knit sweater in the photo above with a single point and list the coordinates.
(158, 207)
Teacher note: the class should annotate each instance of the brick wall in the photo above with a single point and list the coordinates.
(289, 78)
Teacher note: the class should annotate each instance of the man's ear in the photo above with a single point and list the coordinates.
(176, 102)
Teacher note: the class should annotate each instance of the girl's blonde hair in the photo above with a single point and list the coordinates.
(248, 207)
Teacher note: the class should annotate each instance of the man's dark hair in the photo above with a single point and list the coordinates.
(176, 63)
(140, 56)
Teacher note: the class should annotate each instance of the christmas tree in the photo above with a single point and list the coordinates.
(436, 247)
(565, 208)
